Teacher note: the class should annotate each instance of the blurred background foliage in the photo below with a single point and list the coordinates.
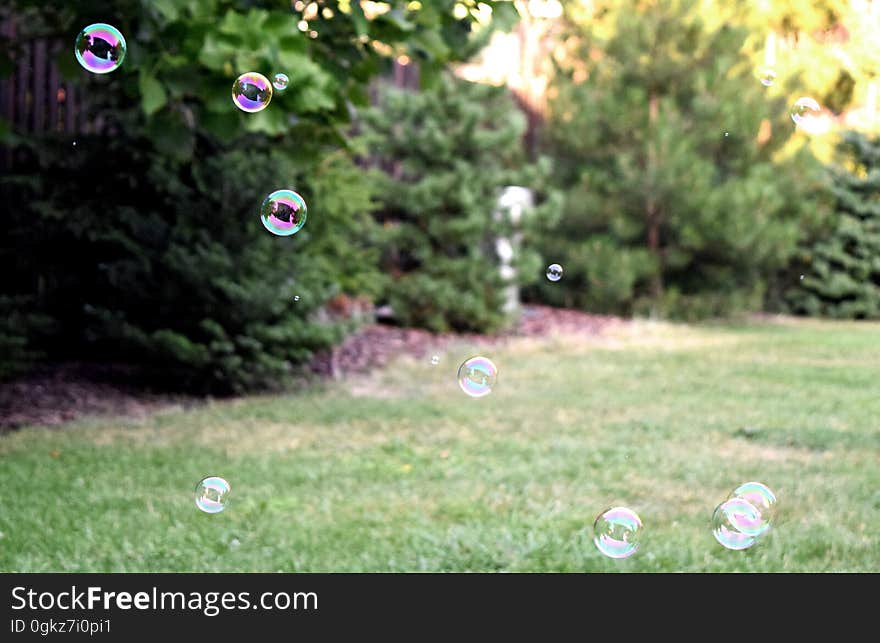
(669, 180)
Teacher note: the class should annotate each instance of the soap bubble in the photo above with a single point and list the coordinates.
(212, 494)
(251, 92)
(100, 48)
(768, 76)
(477, 376)
(283, 213)
(554, 272)
(804, 109)
(617, 532)
(763, 500)
(296, 298)
(280, 81)
(729, 520)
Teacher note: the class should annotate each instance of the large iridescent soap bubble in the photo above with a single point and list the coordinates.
(617, 532)
(283, 213)
(763, 500)
(734, 523)
(251, 92)
(477, 376)
(100, 48)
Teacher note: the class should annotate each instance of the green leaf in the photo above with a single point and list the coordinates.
(397, 18)
(432, 44)
(153, 95)
(66, 64)
(361, 26)
(504, 15)
(168, 8)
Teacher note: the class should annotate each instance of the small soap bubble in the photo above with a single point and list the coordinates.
(212, 494)
(280, 82)
(100, 48)
(617, 532)
(283, 213)
(768, 76)
(554, 272)
(804, 109)
(296, 298)
(251, 92)
(728, 521)
(477, 376)
(435, 360)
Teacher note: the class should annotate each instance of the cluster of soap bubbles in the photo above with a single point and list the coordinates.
(252, 92)
(745, 516)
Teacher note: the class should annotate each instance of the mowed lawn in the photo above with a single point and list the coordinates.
(400, 471)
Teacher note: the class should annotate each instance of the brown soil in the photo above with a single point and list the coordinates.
(59, 394)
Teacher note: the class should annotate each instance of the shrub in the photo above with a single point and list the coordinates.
(448, 153)
(143, 243)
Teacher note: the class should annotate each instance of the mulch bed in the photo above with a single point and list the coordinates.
(56, 395)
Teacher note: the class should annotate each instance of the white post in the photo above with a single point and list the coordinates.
(514, 201)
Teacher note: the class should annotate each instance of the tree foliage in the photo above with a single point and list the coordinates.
(839, 274)
(142, 244)
(668, 148)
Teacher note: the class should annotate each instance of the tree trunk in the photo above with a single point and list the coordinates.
(653, 218)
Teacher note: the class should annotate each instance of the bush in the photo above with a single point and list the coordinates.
(143, 243)
(448, 153)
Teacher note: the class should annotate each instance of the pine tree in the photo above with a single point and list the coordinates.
(666, 146)
(447, 153)
(841, 271)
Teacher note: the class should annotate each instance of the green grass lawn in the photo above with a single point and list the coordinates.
(400, 471)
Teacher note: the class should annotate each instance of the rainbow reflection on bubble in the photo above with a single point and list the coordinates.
(283, 213)
(251, 92)
(759, 496)
(212, 494)
(477, 376)
(617, 532)
(100, 48)
(732, 521)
